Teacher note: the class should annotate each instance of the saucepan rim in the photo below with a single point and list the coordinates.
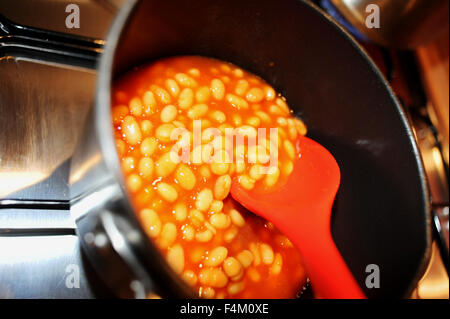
(104, 129)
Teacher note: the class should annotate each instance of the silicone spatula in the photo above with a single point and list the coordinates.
(301, 209)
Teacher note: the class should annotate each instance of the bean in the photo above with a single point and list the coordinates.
(148, 146)
(254, 275)
(144, 196)
(204, 199)
(290, 149)
(263, 116)
(194, 72)
(185, 80)
(168, 113)
(149, 102)
(253, 121)
(146, 167)
(168, 235)
(222, 187)
(272, 176)
(246, 182)
(223, 127)
(232, 267)
(131, 130)
(225, 68)
(241, 87)
(237, 218)
(161, 94)
(180, 211)
(258, 154)
(211, 228)
(256, 172)
(165, 165)
(175, 258)
(196, 217)
(219, 168)
(266, 254)
(238, 276)
(135, 106)
(202, 94)
(146, 127)
(277, 265)
(189, 277)
(216, 206)
(204, 236)
(197, 111)
(196, 155)
(236, 119)
(121, 147)
(218, 116)
(282, 121)
(188, 233)
(245, 257)
(220, 220)
(269, 93)
(213, 277)
(283, 105)
(167, 192)
(185, 177)
(283, 241)
(238, 73)
(246, 130)
(255, 95)
(216, 256)
(256, 255)
(186, 98)
(151, 222)
(236, 101)
(276, 110)
(164, 131)
(217, 89)
(230, 234)
(292, 131)
(235, 288)
(206, 123)
(240, 167)
(207, 292)
(205, 172)
(173, 87)
(134, 183)
(288, 167)
(301, 127)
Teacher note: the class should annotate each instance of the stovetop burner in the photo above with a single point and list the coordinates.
(43, 106)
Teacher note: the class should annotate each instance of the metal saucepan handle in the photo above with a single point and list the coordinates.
(38, 44)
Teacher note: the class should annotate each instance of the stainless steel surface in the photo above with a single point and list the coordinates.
(435, 282)
(43, 267)
(403, 23)
(100, 204)
(42, 107)
(95, 16)
(431, 153)
(43, 111)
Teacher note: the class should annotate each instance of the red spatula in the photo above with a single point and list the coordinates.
(301, 209)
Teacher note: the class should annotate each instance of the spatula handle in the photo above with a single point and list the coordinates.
(327, 270)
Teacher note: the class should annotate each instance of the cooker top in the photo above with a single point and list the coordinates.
(42, 109)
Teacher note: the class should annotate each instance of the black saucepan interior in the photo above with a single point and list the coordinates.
(381, 212)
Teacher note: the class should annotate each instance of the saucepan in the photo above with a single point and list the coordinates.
(381, 215)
